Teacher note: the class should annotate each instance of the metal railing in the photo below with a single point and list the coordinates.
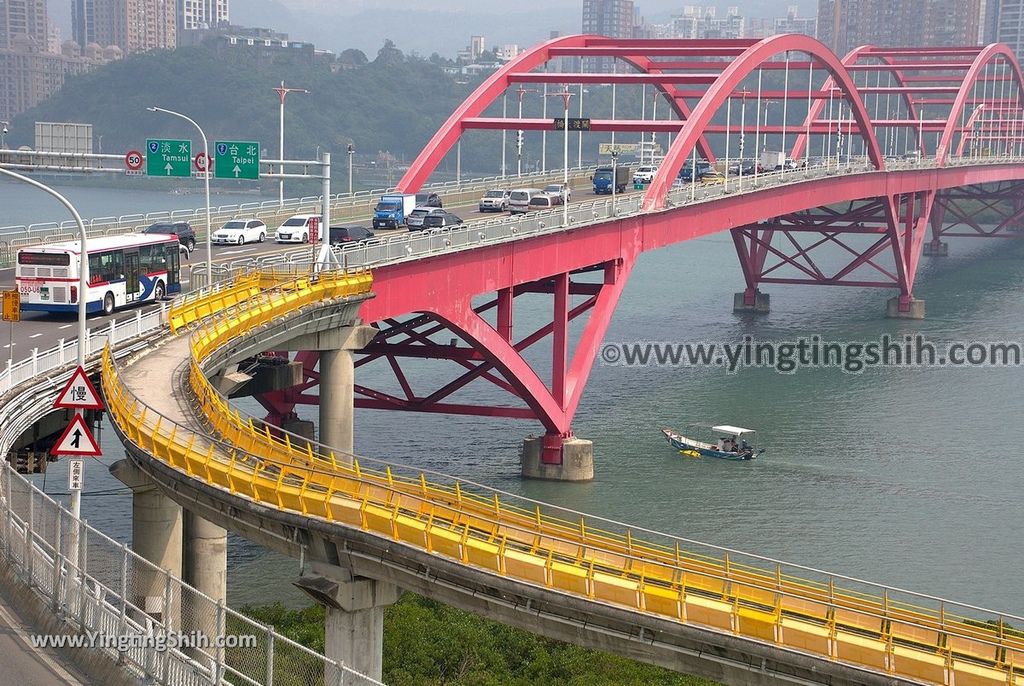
(343, 207)
(136, 612)
(416, 245)
(836, 617)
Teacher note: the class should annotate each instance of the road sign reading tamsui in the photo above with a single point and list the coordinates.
(166, 157)
(79, 393)
(236, 160)
(76, 440)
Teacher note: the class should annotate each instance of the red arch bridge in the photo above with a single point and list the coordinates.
(887, 151)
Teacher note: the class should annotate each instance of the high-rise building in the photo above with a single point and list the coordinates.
(846, 24)
(612, 18)
(791, 23)
(22, 22)
(1008, 25)
(133, 25)
(202, 14)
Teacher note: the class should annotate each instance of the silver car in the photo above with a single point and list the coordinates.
(416, 217)
(494, 201)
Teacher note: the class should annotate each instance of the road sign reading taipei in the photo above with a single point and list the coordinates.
(166, 157)
(76, 440)
(236, 160)
(79, 393)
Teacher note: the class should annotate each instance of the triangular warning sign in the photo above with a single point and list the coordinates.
(76, 440)
(79, 394)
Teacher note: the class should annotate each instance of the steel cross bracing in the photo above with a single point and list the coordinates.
(729, 100)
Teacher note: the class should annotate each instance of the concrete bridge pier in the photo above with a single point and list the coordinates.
(354, 615)
(904, 307)
(156, 536)
(205, 568)
(557, 458)
(752, 301)
(337, 376)
(936, 249)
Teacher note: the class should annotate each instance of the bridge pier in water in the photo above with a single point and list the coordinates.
(751, 300)
(557, 458)
(353, 615)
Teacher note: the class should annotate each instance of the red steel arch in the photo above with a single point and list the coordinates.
(986, 56)
(723, 88)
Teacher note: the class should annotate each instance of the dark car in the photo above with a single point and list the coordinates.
(183, 230)
(441, 221)
(350, 234)
(703, 168)
(428, 200)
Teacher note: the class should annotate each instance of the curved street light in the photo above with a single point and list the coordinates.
(206, 180)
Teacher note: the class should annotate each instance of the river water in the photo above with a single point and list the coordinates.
(906, 476)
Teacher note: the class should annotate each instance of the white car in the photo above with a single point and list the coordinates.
(494, 201)
(559, 189)
(240, 232)
(297, 229)
(644, 174)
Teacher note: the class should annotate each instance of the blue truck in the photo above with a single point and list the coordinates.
(393, 210)
(603, 179)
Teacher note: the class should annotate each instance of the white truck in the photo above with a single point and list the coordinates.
(771, 159)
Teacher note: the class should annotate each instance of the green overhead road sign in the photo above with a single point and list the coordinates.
(168, 157)
(236, 160)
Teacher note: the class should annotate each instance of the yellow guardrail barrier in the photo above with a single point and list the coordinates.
(872, 630)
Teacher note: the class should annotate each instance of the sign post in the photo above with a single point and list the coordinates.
(12, 313)
(236, 160)
(168, 157)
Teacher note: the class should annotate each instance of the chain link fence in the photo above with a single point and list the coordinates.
(160, 629)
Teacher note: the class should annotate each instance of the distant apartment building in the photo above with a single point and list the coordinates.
(23, 21)
(508, 51)
(612, 18)
(202, 14)
(1008, 25)
(846, 24)
(29, 71)
(791, 23)
(133, 25)
(697, 21)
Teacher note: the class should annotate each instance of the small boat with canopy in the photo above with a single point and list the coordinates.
(725, 442)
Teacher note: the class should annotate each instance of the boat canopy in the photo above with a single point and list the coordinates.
(733, 430)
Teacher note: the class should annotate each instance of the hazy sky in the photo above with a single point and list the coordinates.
(441, 26)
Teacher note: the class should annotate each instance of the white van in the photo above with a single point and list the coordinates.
(519, 199)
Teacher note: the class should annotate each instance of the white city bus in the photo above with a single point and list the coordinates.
(122, 270)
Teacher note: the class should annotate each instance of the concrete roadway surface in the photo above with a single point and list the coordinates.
(25, 665)
(42, 329)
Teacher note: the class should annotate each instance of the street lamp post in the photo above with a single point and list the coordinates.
(282, 93)
(351, 152)
(520, 92)
(206, 181)
(83, 283)
(3, 134)
(615, 176)
(566, 94)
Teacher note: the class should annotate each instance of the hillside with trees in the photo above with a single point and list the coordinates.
(390, 103)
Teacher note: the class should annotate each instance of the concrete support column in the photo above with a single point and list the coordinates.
(156, 536)
(576, 464)
(936, 249)
(751, 301)
(337, 400)
(337, 375)
(354, 617)
(205, 568)
(901, 307)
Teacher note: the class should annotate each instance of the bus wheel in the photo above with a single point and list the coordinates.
(158, 290)
(108, 303)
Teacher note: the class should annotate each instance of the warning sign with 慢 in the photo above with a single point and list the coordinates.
(79, 394)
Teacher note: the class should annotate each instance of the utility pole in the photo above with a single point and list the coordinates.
(282, 93)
